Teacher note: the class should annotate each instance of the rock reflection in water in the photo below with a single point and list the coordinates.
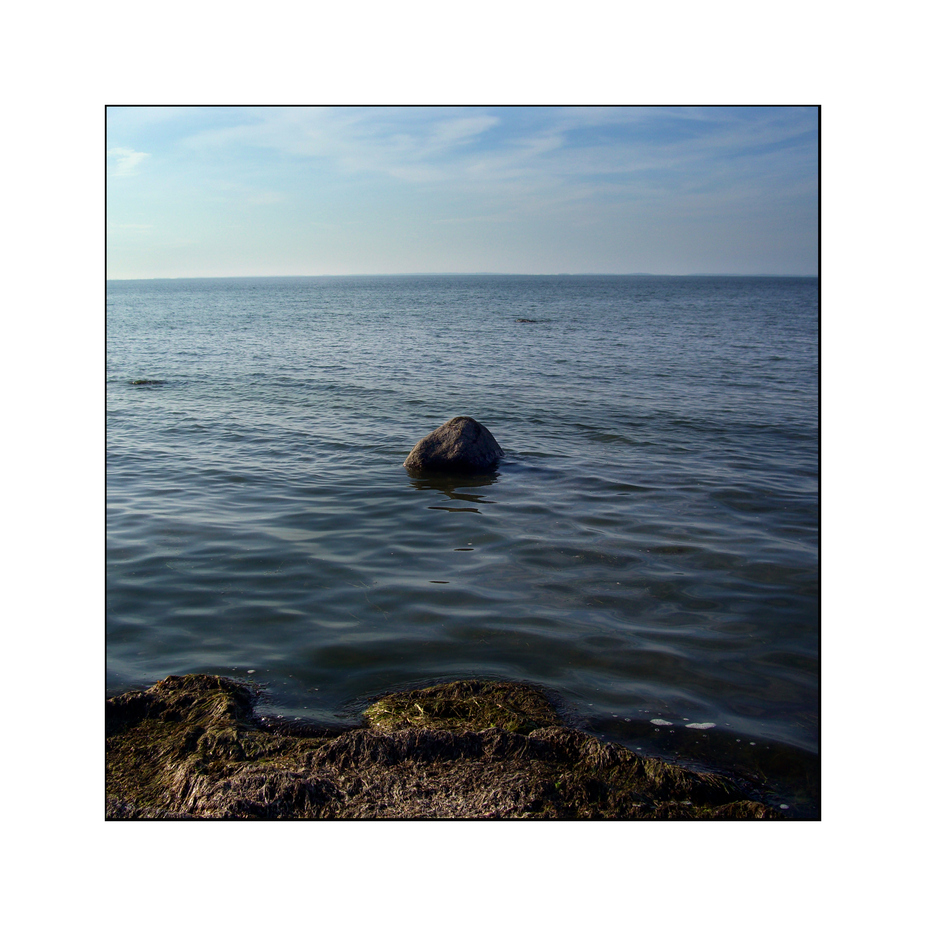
(457, 488)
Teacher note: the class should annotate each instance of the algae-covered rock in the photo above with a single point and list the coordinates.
(192, 748)
(465, 706)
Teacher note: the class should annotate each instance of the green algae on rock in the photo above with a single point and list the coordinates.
(192, 748)
(462, 706)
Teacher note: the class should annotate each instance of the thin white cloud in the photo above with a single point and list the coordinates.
(548, 157)
(407, 143)
(126, 161)
(451, 132)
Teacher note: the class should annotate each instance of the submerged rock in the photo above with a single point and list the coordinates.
(192, 748)
(460, 445)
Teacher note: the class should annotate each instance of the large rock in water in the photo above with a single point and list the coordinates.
(460, 445)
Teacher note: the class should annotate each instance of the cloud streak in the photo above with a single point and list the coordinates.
(547, 155)
(125, 161)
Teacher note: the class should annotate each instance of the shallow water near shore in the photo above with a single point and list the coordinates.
(647, 549)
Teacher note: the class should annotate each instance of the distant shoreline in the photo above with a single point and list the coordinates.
(155, 279)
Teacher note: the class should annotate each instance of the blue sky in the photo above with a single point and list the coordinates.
(253, 191)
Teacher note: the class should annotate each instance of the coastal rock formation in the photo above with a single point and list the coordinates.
(192, 748)
(460, 445)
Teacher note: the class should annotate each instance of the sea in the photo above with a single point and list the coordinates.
(647, 550)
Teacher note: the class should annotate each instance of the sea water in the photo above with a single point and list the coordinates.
(647, 550)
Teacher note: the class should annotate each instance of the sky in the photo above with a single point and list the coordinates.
(304, 191)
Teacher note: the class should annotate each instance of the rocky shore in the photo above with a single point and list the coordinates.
(193, 748)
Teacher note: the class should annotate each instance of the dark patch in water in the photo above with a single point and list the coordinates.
(673, 550)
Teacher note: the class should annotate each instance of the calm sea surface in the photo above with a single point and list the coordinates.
(647, 550)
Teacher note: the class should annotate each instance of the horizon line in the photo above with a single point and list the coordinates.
(139, 279)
